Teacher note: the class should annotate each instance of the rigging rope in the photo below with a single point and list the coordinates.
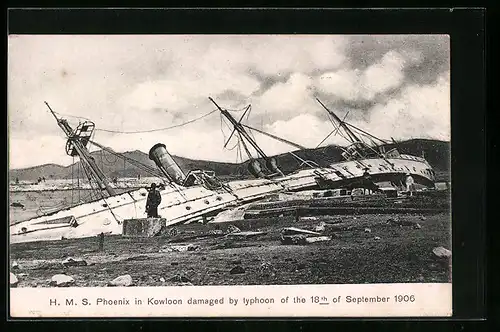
(158, 129)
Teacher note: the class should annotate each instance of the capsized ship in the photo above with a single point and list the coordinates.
(184, 196)
(365, 163)
(199, 193)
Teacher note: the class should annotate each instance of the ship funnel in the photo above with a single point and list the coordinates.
(166, 163)
(255, 169)
(272, 165)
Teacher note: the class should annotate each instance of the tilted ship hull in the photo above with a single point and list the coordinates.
(197, 195)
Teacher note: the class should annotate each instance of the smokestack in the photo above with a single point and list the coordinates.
(166, 163)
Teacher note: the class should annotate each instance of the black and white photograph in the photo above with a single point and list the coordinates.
(228, 160)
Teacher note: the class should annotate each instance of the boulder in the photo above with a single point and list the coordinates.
(377, 238)
(73, 262)
(367, 230)
(62, 280)
(13, 280)
(121, 281)
(441, 252)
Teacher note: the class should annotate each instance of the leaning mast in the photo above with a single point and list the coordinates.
(75, 146)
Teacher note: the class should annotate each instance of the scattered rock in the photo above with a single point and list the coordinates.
(417, 226)
(423, 218)
(62, 280)
(73, 262)
(15, 266)
(185, 284)
(309, 218)
(22, 274)
(203, 258)
(174, 263)
(13, 280)
(442, 252)
(215, 232)
(367, 230)
(162, 279)
(237, 270)
(377, 238)
(121, 281)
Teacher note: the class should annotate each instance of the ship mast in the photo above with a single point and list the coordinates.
(352, 136)
(240, 129)
(78, 147)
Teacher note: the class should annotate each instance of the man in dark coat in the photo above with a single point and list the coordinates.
(152, 202)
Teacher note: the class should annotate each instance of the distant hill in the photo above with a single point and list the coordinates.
(437, 154)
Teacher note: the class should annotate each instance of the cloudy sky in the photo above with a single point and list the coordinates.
(392, 86)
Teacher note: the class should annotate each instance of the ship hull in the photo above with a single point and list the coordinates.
(180, 204)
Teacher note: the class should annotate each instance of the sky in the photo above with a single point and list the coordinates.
(389, 85)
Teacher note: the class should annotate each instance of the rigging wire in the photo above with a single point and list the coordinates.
(158, 129)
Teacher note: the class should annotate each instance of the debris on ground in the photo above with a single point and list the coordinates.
(162, 279)
(295, 230)
(215, 232)
(15, 266)
(74, 262)
(232, 229)
(121, 281)
(367, 230)
(442, 252)
(376, 238)
(13, 280)
(320, 227)
(300, 239)
(423, 218)
(247, 234)
(309, 218)
(62, 280)
(317, 239)
(179, 248)
(237, 270)
(417, 226)
(293, 239)
(179, 278)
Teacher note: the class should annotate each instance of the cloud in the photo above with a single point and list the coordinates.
(378, 78)
(392, 85)
(419, 111)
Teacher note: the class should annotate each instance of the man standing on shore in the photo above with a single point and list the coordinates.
(152, 202)
(410, 184)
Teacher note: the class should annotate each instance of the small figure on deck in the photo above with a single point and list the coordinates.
(17, 180)
(410, 184)
(152, 202)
